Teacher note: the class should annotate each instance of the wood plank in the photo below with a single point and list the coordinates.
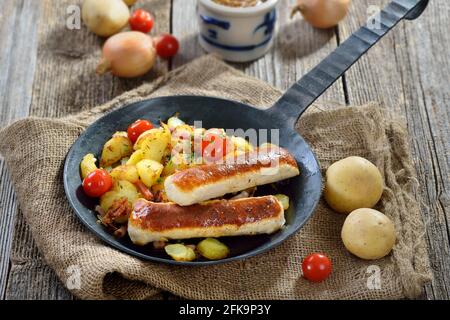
(65, 82)
(297, 48)
(17, 65)
(408, 72)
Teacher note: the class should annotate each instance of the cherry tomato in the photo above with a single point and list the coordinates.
(97, 183)
(316, 267)
(167, 46)
(137, 128)
(144, 191)
(141, 20)
(214, 147)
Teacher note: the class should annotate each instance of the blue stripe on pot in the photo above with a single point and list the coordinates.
(215, 22)
(236, 48)
(269, 23)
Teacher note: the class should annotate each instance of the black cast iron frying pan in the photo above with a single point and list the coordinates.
(304, 190)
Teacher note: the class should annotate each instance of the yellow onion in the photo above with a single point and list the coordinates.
(128, 54)
(322, 14)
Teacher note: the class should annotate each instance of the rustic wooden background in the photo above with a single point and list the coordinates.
(408, 71)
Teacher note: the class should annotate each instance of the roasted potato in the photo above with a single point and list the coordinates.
(284, 200)
(180, 252)
(116, 148)
(87, 165)
(135, 157)
(125, 172)
(149, 171)
(213, 249)
(353, 183)
(368, 234)
(120, 189)
(154, 143)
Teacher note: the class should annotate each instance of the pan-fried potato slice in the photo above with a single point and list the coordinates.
(87, 165)
(149, 171)
(120, 189)
(180, 252)
(135, 157)
(284, 200)
(125, 172)
(154, 143)
(116, 148)
(213, 249)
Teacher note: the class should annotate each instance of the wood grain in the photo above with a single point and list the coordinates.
(17, 63)
(408, 72)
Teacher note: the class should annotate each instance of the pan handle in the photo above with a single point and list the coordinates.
(305, 91)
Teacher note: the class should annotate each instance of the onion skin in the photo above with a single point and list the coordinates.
(322, 14)
(105, 17)
(128, 54)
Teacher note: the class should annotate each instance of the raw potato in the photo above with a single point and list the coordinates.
(121, 188)
(105, 17)
(125, 172)
(352, 183)
(116, 148)
(213, 249)
(180, 252)
(149, 171)
(153, 143)
(368, 234)
(87, 165)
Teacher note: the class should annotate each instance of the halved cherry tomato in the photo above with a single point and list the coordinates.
(137, 128)
(144, 191)
(141, 20)
(214, 147)
(167, 46)
(316, 267)
(97, 183)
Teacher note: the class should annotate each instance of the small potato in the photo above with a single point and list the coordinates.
(154, 143)
(149, 171)
(135, 157)
(352, 183)
(120, 189)
(125, 172)
(180, 252)
(368, 234)
(115, 149)
(284, 199)
(213, 249)
(87, 165)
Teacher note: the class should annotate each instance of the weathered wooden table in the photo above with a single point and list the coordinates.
(409, 71)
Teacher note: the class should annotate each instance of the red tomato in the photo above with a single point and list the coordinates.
(137, 128)
(141, 20)
(214, 147)
(316, 267)
(167, 46)
(97, 183)
(144, 191)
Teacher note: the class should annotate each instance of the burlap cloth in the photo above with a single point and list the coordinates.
(35, 149)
